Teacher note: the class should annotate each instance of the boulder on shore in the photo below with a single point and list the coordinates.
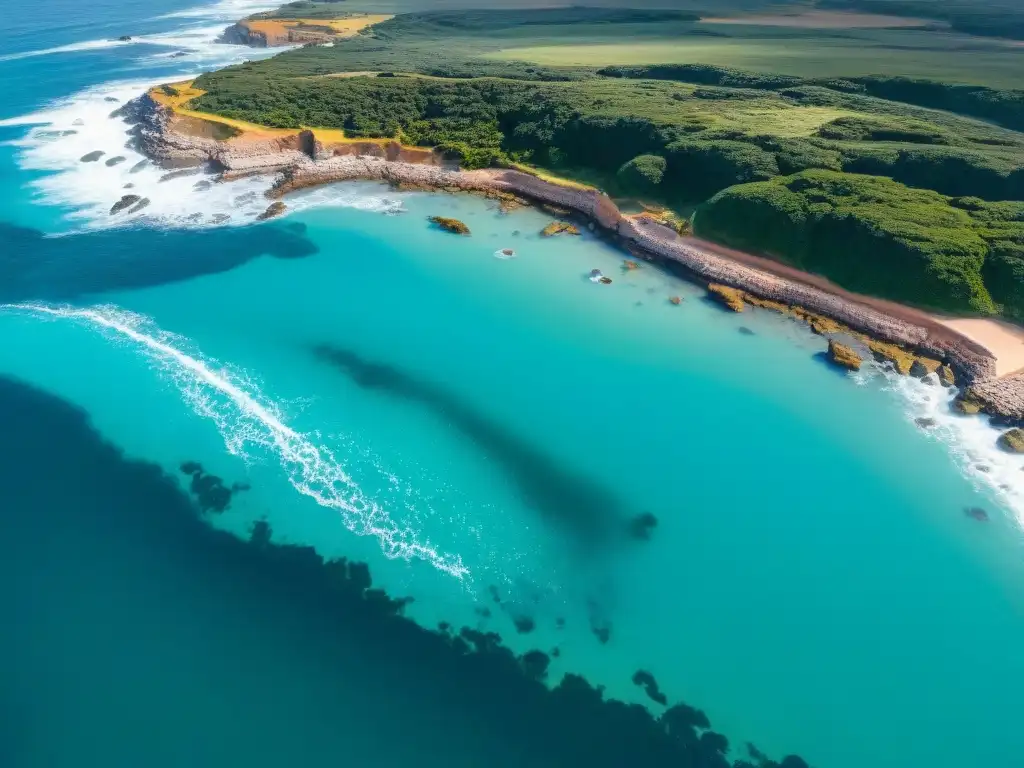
(922, 366)
(1012, 441)
(450, 225)
(274, 209)
(726, 296)
(843, 356)
(92, 157)
(559, 228)
(884, 352)
(946, 376)
(967, 404)
(127, 201)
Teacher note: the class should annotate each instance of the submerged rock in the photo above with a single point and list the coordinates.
(111, 98)
(274, 209)
(731, 298)
(843, 356)
(641, 526)
(115, 161)
(646, 680)
(925, 422)
(450, 225)
(126, 201)
(92, 157)
(977, 513)
(1012, 441)
(138, 166)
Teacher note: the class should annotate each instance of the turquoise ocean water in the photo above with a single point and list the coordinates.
(481, 433)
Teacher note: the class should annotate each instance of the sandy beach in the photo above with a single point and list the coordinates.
(1003, 340)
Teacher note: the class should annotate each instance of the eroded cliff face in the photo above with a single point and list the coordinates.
(300, 161)
(240, 34)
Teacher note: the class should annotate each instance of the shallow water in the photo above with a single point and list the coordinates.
(481, 432)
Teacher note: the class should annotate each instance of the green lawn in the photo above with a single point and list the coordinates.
(996, 65)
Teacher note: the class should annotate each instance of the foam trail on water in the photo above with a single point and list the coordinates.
(218, 393)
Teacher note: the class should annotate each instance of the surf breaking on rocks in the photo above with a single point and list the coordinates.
(247, 419)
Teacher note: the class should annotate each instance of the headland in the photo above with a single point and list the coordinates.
(884, 330)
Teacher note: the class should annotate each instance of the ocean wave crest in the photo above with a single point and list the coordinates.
(247, 421)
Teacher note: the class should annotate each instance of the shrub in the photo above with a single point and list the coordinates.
(643, 173)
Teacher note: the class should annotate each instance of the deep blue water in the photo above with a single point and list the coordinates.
(193, 415)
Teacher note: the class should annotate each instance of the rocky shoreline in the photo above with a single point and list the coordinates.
(301, 161)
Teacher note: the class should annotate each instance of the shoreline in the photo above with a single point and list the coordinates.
(301, 161)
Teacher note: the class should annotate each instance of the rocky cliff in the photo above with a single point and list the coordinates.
(300, 161)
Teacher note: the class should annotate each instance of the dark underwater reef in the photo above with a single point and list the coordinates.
(577, 503)
(34, 267)
(65, 490)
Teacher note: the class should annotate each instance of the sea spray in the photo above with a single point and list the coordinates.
(246, 419)
(61, 135)
(970, 440)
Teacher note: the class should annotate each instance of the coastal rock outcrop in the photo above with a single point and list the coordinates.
(1012, 441)
(298, 165)
(559, 228)
(843, 356)
(274, 209)
(731, 298)
(454, 226)
(126, 201)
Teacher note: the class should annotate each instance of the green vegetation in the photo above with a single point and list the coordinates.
(1004, 106)
(888, 185)
(876, 236)
(990, 18)
(642, 174)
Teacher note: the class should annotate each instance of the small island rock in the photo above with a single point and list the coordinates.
(450, 225)
(843, 356)
(127, 201)
(726, 296)
(1012, 441)
(559, 228)
(274, 209)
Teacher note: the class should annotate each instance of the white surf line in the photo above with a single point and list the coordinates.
(312, 470)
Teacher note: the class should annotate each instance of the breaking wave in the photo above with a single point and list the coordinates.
(247, 420)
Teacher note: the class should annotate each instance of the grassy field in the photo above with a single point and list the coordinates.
(939, 56)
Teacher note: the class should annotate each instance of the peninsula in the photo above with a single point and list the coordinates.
(876, 208)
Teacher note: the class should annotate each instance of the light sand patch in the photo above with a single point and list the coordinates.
(278, 31)
(825, 20)
(1003, 340)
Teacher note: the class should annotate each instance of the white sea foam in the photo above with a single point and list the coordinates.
(225, 9)
(61, 134)
(970, 440)
(247, 420)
